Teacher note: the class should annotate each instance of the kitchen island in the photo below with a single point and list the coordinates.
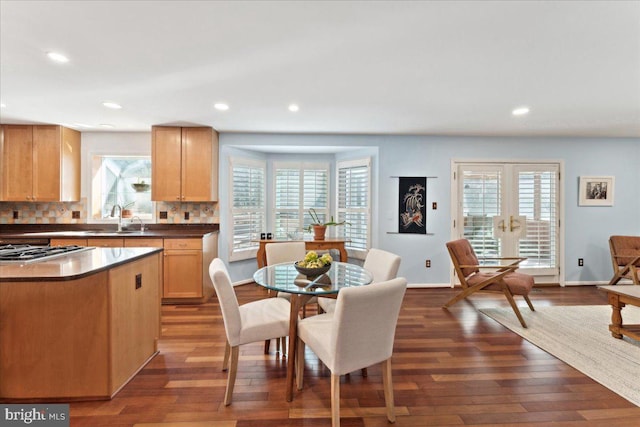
(78, 326)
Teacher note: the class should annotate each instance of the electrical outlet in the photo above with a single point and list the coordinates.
(163, 214)
(138, 281)
(580, 262)
(434, 206)
(186, 215)
(16, 214)
(427, 263)
(75, 214)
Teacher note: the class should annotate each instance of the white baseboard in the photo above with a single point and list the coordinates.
(243, 282)
(429, 285)
(592, 283)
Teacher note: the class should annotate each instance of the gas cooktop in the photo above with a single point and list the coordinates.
(29, 253)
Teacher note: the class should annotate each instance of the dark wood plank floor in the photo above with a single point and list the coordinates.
(453, 367)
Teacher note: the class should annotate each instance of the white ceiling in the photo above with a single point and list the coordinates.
(445, 68)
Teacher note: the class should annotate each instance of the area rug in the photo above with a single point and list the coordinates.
(580, 337)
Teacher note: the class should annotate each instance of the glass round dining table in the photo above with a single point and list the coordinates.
(285, 278)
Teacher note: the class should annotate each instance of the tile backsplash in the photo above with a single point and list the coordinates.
(76, 213)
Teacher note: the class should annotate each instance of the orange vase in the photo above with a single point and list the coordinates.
(319, 231)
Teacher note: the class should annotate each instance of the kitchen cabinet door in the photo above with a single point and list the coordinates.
(197, 148)
(17, 163)
(166, 153)
(46, 163)
(182, 273)
(184, 164)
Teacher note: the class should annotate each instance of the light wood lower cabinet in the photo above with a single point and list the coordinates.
(68, 242)
(106, 243)
(182, 268)
(185, 266)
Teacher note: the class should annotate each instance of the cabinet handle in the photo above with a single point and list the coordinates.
(178, 198)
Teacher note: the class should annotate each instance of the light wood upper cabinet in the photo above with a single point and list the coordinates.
(40, 163)
(184, 164)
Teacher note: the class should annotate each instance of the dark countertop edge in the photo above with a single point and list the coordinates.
(39, 228)
(151, 251)
(40, 231)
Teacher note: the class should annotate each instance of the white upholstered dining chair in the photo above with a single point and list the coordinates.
(381, 264)
(277, 253)
(357, 334)
(255, 321)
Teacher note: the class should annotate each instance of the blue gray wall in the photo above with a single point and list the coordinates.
(586, 229)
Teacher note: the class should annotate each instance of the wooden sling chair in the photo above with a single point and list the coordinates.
(625, 257)
(502, 279)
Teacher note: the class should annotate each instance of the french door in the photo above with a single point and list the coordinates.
(510, 210)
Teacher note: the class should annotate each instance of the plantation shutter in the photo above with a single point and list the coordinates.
(537, 202)
(354, 204)
(298, 188)
(248, 206)
(482, 191)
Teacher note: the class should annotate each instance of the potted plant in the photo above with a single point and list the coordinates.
(320, 228)
(126, 212)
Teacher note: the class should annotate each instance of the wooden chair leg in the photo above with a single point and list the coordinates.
(267, 344)
(387, 383)
(514, 306)
(231, 379)
(634, 275)
(526, 298)
(462, 295)
(299, 364)
(225, 361)
(615, 279)
(364, 371)
(335, 400)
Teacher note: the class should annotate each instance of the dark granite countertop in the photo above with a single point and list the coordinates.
(72, 266)
(48, 231)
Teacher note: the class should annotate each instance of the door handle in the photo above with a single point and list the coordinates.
(502, 226)
(514, 224)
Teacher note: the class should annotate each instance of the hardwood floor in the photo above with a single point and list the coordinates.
(453, 367)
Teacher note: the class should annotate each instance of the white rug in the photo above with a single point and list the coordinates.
(580, 337)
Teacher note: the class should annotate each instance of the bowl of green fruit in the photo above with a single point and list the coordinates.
(313, 265)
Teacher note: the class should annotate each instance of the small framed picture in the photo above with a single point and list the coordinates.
(596, 191)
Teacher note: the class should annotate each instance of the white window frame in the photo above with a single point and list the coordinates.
(251, 251)
(357, 253)
(302, 211)
(94, 188)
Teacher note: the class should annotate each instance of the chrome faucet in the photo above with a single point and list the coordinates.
(141, 223)
(113, 213)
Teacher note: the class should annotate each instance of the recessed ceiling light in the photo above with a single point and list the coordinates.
(58, 57)
(82, 125)
(520, 111)
(294, 108)
(112, 105)
(221, 107)
(107, 125)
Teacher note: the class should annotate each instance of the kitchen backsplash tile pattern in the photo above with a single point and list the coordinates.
(63, 213)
